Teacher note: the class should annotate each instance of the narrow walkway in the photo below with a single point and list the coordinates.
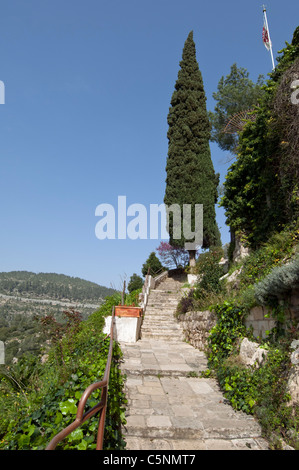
(169, 406)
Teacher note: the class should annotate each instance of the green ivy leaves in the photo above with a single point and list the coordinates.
(68, 407)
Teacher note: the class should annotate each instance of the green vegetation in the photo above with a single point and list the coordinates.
(265, 277)
(152, 264)
(38, 399)
(47, 394)
(261, 187)
(26, 297)
(262, 208)
(135, 283)
(190, 177)
(280, 280)
(208, 289)
(235, 93)
(260, 391)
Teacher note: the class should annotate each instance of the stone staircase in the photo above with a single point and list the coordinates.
(159, 322)
(170, 407)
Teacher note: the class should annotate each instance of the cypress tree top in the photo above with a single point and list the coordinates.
(191, 177)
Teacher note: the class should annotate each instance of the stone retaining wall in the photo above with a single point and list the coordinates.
(197, 326)
(261, 324)
(256, 319)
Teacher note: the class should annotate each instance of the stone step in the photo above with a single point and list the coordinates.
(159, 300)
(166, 290)
(160, 307)
(158, 427)
(159, 321)
(156, 327)
(163, 318)
(175, 336)
(160, 314)
(184, 412)
(170, 406)
(151, 443)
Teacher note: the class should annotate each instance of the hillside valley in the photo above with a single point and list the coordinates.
(26, 297)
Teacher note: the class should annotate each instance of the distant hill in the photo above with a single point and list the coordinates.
(25, 297)
(52, 286)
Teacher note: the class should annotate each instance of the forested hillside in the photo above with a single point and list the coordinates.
(53, 286)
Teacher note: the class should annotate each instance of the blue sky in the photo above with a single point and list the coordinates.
(87, 92)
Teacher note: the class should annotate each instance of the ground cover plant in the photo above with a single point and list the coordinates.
(38, 400)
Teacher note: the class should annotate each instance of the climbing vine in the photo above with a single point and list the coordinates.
(261, 187)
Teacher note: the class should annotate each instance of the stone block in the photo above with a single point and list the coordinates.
(251, 353)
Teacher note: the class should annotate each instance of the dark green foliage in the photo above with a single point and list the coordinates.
(186, 304)
(190, 174)
(209, 271)
(226, 332)
(235, 93)
(135, 282)
(262, 392)
(261, 187)
(152, 264)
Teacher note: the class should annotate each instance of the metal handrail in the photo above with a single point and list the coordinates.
(81, 417)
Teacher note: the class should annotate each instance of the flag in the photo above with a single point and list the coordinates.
(266, 39)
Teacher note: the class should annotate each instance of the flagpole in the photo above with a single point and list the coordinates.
(266, 21)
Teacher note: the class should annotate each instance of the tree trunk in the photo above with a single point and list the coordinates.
(192, 261)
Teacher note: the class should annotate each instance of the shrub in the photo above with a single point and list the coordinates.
(186, 303)
(152, 264)
(135, 283)
(228, 329)
(260, 391)
(260, 262)
(209, 271)
(278, 282)
(49, 402)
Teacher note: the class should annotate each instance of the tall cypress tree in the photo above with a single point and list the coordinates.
(191, 178)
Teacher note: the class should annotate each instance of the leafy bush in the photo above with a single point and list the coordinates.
(48, 401)
(133, 297)
(186, 303)
(152, 264)
(260, 391)
(135, 282)
(228, 329)
(261, 187)
(261, 261)
(208, 287)
(209, 271)
(278, 282)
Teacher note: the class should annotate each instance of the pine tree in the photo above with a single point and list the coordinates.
(191, 178)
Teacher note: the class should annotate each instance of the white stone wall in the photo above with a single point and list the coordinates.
(126, 329)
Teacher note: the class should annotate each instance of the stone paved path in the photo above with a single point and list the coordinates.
(169, 406)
